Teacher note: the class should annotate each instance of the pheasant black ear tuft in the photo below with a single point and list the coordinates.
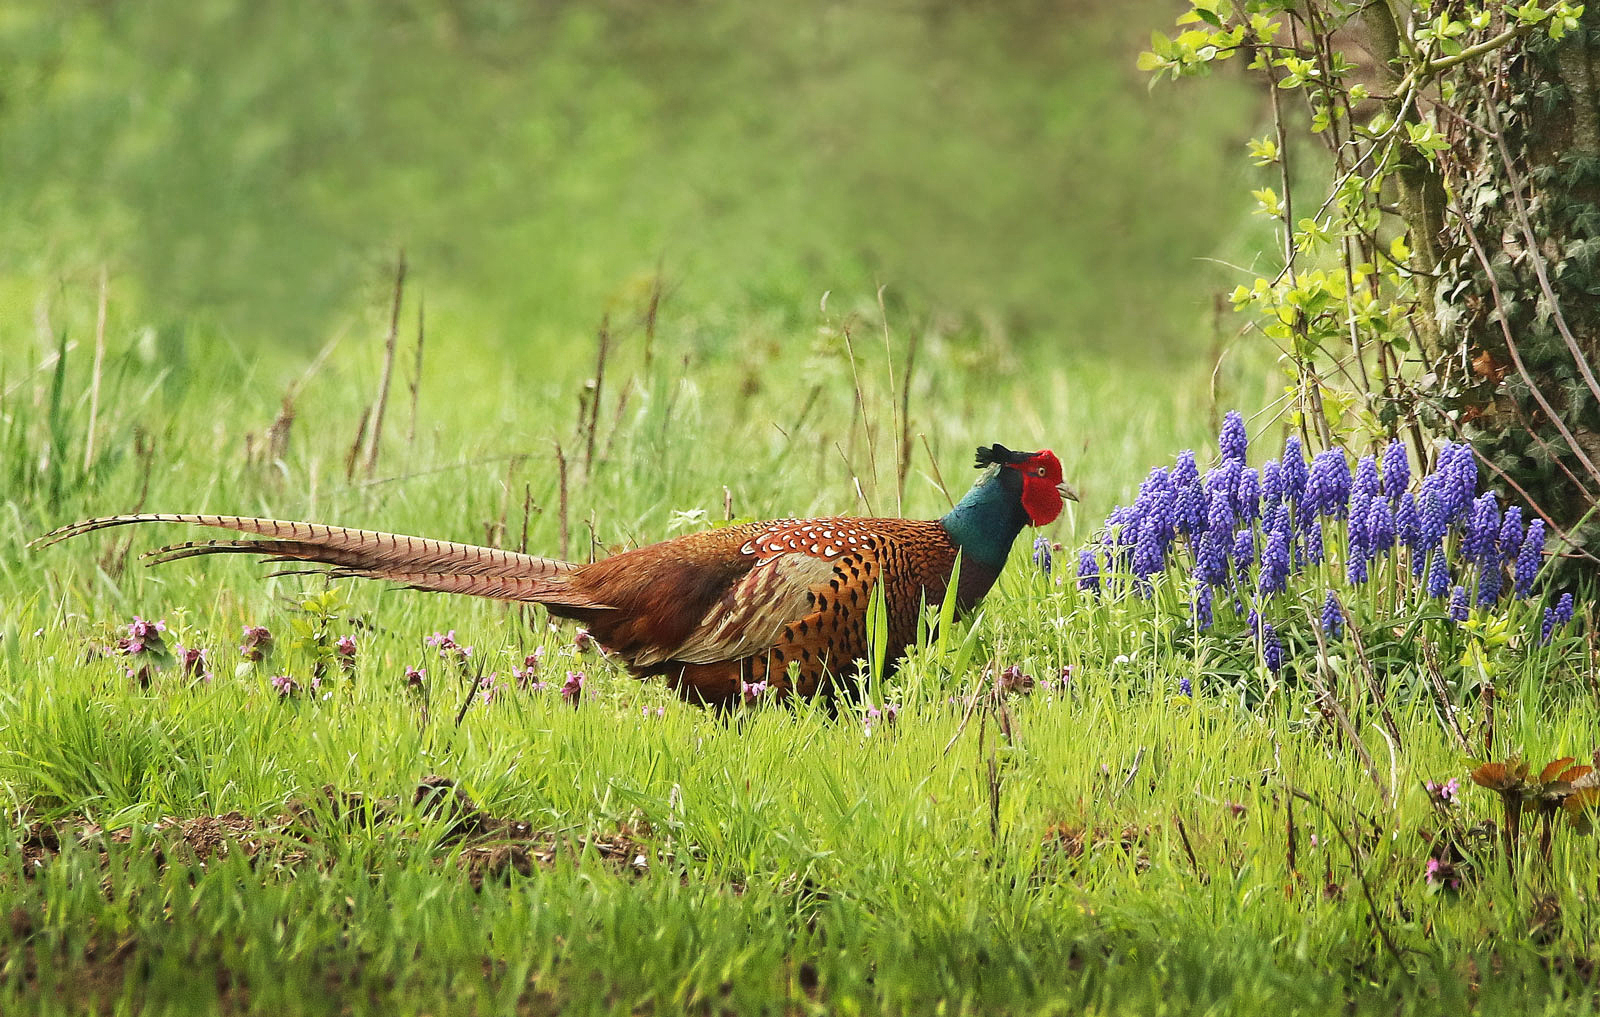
(999, 455)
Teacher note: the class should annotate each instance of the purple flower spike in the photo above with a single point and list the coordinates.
(1211, 561)
(1360, 540)
(1219, 514)
(1041, 554)
(1483, 531)
(1564, 609)
(1088, 572)
(1510, 540)
(1332, 617)
(1408, 525)
(1185, 472)
(1185, 688)
(1438, 575)
(1295, 472)
(1313, 540)
(1202, 607)
(1271, 484)
(1275, 563)
(1489, 583)
(1233, 441)
(1380, 526)
(1458, 604)
(1547, 627)
(1367, 477)
(1149, 556)
(1249, 498)
(1271, 648)
(1244, 549)
(1328, 485)
(1355, 569)
(1396, 470)
(1528, 559)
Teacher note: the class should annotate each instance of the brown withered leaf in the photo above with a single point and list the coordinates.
(1485, 367)
(1552, 769)
(1506, 776)
(1580, 807)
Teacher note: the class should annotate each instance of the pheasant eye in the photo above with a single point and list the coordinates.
(1039, 472)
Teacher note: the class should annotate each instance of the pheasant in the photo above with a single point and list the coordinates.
(783, 602)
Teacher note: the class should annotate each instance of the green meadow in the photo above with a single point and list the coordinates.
(662, 269)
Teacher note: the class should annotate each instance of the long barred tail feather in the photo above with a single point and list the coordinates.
(418, 562)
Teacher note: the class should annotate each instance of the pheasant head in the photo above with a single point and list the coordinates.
(1017, 489)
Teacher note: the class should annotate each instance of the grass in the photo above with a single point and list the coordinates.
(1113, 848)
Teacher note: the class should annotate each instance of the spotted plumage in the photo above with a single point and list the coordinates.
(783, 602)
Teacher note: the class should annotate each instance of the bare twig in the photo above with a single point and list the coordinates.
(561, 474)
(389, 343)
(94, 379)
(1361, 877)
(938, 478)
(416, 376)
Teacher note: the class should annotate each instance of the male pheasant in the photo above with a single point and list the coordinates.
(783, 602)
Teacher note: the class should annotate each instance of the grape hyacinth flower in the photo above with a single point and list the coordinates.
(1295, 473)
(1185, 688)
(1564, 609)
(1483, 530)
(1489, 583)
(1249, 495)
(1041, 554)
(1313, 541)
(1275, 563)
(1088, 572)
(1211, 561)
(1328, 485)
(1185, 472)
(1367, 477)
(1407, 528)
(1510, 539)
(1244, 548)
(1528, 559)
(1396, 470)
(1438, 575)
(1202, 607)
(1271, 648)
(1458, 604)
(1233, 441)
(1271, 484)
(1332, 617)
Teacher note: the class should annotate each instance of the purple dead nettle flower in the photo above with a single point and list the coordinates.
(1332, 617)
(285, 685)
(194, 662)
(489, 686)
(1441, 873)
(582, 641)
(1528, 558)
(143, 636)
(645, 711)
(1366, 480)
(572, 688)
(1233, 441)
(345, 646)
(1446, 793)
(1041, 554)
(416, 678)
(1458, 604)
(1396, 470)
(887, 715)
(753, 691)
(1088, 572)
(256, 644)
(1014, 679)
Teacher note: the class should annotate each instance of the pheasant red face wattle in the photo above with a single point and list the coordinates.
(1043, 490)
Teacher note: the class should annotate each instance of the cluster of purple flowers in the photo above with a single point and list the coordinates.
(1245, 532)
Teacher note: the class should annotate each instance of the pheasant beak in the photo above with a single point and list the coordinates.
(1066, 491)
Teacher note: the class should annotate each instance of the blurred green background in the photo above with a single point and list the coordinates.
(247, 170)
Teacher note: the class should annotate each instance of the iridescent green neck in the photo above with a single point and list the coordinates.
(985, 523)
